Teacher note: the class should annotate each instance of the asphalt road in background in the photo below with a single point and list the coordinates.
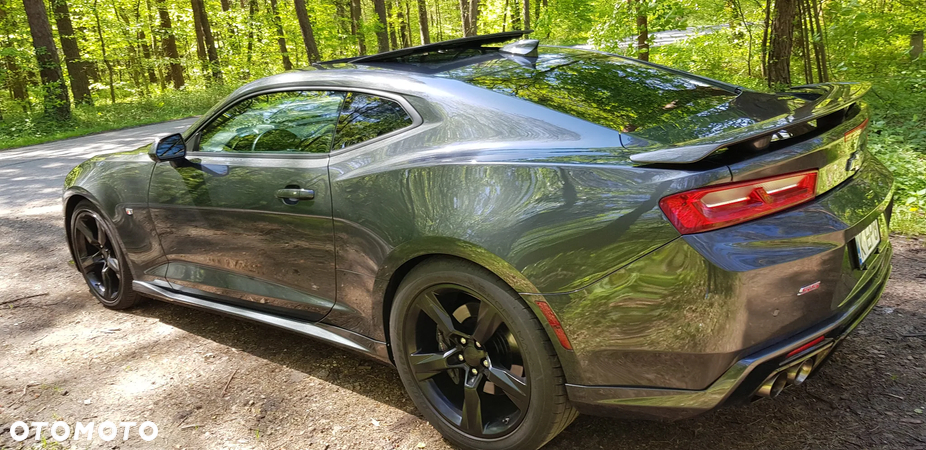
(33, 176)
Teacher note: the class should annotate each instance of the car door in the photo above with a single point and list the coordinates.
(246, 218)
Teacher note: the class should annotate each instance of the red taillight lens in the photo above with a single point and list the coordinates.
(723, 205)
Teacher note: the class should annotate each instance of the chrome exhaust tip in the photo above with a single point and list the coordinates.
(799, 372)
(773, 385)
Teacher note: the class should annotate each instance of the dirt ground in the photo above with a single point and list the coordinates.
(212, 382)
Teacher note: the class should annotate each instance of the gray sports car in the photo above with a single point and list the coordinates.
(525, 232)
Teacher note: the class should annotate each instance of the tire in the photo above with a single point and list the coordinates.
(514, 376)
(99, 257)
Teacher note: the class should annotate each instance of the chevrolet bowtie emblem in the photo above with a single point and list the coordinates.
(854, 163)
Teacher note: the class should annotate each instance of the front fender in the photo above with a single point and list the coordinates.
(117, 184)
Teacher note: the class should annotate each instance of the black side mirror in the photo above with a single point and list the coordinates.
(168, 148)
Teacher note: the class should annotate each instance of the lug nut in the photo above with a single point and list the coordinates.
(460, 357)
(463, 341)
(474, 372)
(478, 345)
(485, 362)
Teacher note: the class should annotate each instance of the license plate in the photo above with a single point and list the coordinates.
(867, 242)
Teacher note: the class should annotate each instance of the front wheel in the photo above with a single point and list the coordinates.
(475, 359)
(99, 258)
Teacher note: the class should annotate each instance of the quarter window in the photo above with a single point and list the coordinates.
(365, 116)
(285, 122)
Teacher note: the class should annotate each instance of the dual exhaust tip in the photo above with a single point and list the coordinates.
(794, 374)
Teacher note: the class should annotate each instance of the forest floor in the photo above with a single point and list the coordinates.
(211, 382)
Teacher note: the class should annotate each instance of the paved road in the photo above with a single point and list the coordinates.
(661, 38)
(31, 177)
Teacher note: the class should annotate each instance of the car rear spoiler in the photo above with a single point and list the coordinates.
(825, 98)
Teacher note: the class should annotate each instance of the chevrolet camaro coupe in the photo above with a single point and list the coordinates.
(525, 232)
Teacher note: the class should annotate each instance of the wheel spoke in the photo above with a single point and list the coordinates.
(101, 238)
(471, 417)
(511, 385)
(487, 323)
(89, 261)
(105, 277)
(113, 264)
(426, 365)
(88, 235)
(431, 306)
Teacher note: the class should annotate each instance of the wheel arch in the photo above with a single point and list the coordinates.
(406, 257)
(71, 198)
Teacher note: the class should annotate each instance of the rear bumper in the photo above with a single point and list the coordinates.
(740, 382)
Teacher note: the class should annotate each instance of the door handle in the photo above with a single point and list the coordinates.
(295, 194)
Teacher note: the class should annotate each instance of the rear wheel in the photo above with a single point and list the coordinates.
(99, 258)
(475, 359)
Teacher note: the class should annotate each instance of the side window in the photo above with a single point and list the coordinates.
(288, 122)
(366, 116)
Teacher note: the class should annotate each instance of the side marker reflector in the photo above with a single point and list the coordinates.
(555, 324)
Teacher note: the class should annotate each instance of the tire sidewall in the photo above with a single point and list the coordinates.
(125, 279)
(536, 425)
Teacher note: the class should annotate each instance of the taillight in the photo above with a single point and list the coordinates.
(723, 205)
(855, 132)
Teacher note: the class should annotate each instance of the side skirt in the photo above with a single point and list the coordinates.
(338, 337)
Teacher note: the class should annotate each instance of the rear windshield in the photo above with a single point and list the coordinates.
(607, 90)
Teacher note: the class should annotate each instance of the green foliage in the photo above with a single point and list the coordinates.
(620, 20)
(899, 141)
(32, 128)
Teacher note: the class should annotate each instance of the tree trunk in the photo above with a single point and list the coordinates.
(382, 34)
(80, 85)
(200, 40)
(820, 44)
(402, 26)
(765, 27)
(169, 45)
(527, 14)
(146, 53)
(281, 38)
(199, 9)
(474, 17)
(308, 36)
(408, 22)
(739, 8)
(15, 80)
(423, 22)
(356, 21)
(252, 8)
(464, 18)
(642, 32)
(439, 21)
(505, 16)
(342, 15)
(226, 5)
(516, 15)
(916, 44)
(56, 101)
(391, 25)
(780, 43)
(109, 64)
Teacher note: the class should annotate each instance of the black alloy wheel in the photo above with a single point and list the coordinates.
(99, 258)
(475, 359)
(466, 361)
